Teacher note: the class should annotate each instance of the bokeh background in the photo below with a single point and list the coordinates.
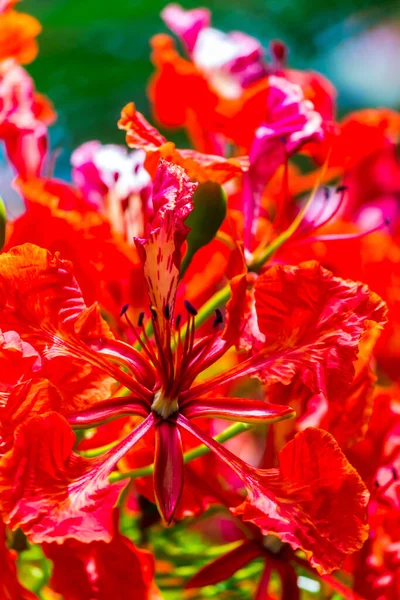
(94, 54)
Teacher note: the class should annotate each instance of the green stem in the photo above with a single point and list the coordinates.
(200, 450)
(93, 452)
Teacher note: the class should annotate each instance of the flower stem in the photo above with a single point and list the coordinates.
(93, 452)
(200, 450)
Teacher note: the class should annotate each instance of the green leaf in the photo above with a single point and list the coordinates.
(3, 222)
(209, 211)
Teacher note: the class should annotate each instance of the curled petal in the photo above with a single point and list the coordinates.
(17, 36)
(314, 322)
(19, 360)
(237, 409)
(199, 166)
(186, 24)
(168, 469)
(27, 400)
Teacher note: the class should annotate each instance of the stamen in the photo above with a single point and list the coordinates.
(141, 319)
(153, 313)
(341, 236)
(178, 322)
(339, 190)
(218, 318)
(123, 310)
(394, 473)
(167, 313)
(190, 308)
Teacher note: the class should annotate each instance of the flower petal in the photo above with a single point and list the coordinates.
(28, 399)
(41, 300)
(186, 24)
(315, 501)
(54, 494)
(168, 469)
(314, 322)
(102, 570)
(237, 409)
(200, 166)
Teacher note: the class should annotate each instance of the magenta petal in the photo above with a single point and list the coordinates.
(168, 469)
(108, 410)
(226, 565)
(237, 409)
(186, 24)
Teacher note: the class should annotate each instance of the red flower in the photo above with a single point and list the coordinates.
(162, 392)
(24, 116)
(201, 167)
(98, 570)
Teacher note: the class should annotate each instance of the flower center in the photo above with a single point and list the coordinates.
(163, 405)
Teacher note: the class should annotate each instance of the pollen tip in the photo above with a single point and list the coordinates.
(153, 312)
(218, 318)
(141, 319)
(376, 484)
(341, 188)
(395, 474)
(167, 312)
(387, 221)
(327, 192)
(190, 308)
(178, 321)
(123, 310)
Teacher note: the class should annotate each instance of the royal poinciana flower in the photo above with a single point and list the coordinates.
(115, 183)
(199, 166)
(18, 34)
(230, 61)
(290, 122)
(102, 570)
(71, 496)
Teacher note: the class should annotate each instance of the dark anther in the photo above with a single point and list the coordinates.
(190, 308)
(153, 312)
(387, 221)
(341, 188)
(140, 319)
(178, 321)
(283, 139)
(327, 192)
(123, 310)
(395, 475)
(376, 484)
(167, 313)
(218, 318)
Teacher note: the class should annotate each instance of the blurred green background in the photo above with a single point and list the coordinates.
(94, 54)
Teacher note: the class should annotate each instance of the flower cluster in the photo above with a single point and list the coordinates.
(167, 292)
